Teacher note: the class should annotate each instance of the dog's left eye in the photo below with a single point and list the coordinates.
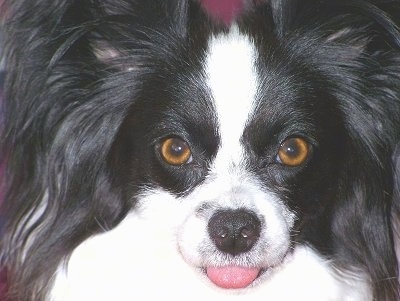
(294, 151)
(175, 151)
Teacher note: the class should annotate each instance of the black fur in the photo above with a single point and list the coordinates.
(74, 117)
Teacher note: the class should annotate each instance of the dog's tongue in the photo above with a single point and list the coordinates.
(232, 276)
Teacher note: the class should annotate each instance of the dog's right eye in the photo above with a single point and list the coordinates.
(175, 151)
(294, 151)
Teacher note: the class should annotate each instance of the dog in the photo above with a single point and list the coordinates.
(155, 151)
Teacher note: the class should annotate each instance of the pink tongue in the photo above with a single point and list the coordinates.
(232, 276)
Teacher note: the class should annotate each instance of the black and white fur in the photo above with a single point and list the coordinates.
(94, 86)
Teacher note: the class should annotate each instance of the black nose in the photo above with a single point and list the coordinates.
(234, 231)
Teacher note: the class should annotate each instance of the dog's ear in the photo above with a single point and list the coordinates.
(178, 13)
(283, 13)
(348, 36)
(120, 40)
(356, 42)
(113, 56)
(171, 13)
(124, 42)
(364, 29)
(104, 52)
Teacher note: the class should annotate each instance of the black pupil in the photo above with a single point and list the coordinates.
(291, 148)
(177, 147)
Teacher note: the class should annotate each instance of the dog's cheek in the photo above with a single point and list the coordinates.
(193, 240)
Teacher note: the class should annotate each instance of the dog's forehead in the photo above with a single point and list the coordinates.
(232, 80)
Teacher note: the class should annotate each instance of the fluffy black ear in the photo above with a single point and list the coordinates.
(283, 12)
(172, 14)
(357, 52)
(64, 105)
(291, 15)
(363, 224)
(131, 23)
(178, 11)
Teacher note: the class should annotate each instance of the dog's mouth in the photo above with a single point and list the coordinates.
(241, 277)
(233, 277)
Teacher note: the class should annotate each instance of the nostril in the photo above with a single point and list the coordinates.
(234, 231)
(248, 232)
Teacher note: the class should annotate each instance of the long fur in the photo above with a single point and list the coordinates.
(76, 68)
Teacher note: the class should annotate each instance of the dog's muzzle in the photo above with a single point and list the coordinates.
(233, 232)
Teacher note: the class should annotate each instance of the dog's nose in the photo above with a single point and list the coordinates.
(234, 231)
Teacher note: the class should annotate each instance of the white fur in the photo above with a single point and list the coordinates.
(233, 81)
(158, 250)
(140, 260)
(233, 191)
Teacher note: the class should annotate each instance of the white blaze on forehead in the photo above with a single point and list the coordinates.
(232, 79)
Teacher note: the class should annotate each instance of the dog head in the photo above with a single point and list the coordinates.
(257, 156)
(241, 142)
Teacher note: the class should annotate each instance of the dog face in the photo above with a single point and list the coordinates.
(234, 154)
(216, 160)
(231, 164)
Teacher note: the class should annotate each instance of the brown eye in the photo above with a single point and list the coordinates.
(175, 151)
(294, 151)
